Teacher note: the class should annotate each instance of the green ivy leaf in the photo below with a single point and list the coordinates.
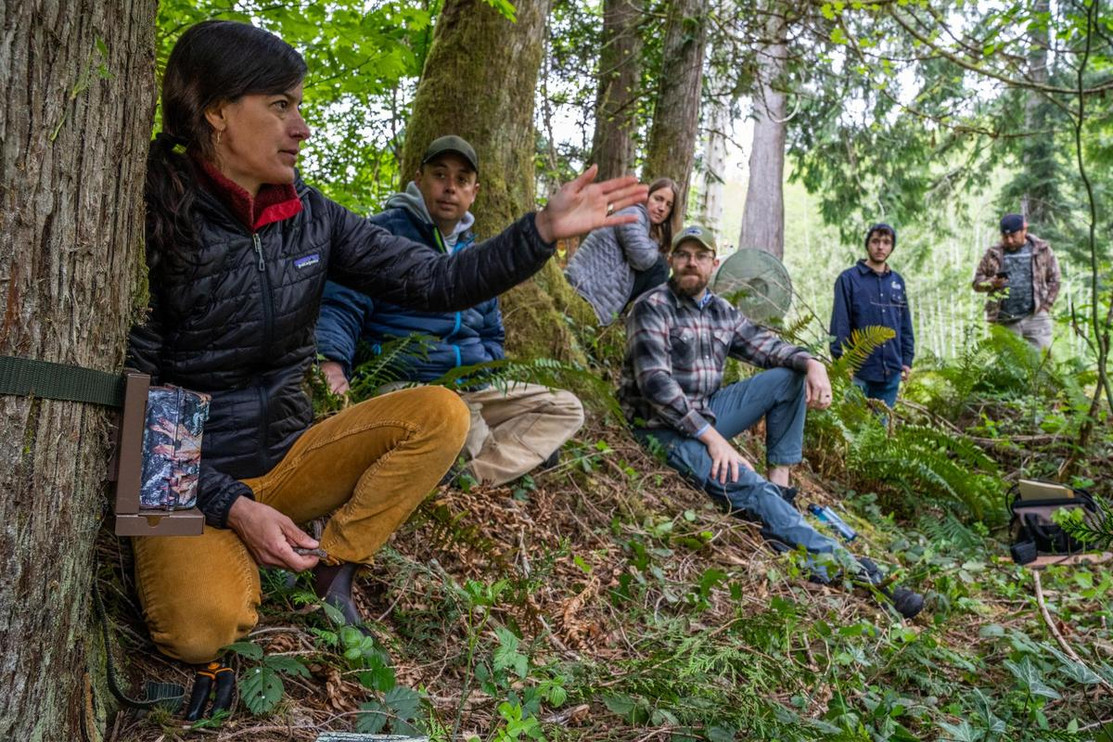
(373, 719)
(246, 649)
(962, 732)
(557, 696)
(288, 665)
(507, 655)
(720, 734)
(261, 689)
(404, 702)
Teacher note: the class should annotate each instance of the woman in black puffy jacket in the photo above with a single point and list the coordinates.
(238, 250)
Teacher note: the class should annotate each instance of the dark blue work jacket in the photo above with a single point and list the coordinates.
(864, 298)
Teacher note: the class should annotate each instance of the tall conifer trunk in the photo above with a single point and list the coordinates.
(763, 220)
(612, 146)
(77, 81)
(672, 140)
(479, 82)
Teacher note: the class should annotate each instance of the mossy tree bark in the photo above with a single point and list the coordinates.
(78, 78)
(616, 101)
(479, 82)
(671, 150)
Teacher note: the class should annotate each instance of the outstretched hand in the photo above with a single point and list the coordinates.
(581, 205)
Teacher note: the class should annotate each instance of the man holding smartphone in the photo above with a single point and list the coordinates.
(1021, 276)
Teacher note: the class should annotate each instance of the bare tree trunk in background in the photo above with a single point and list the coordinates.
(672, 138)
(78, 80)
(1036, 202)
(612, 145)
(479, 82)
(709, 206)
(763, 220)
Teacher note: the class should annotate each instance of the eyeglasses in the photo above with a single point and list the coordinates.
(684, 256)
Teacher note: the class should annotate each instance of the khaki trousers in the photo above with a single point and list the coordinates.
(372, 463)
(514, 430)
(1035, 328)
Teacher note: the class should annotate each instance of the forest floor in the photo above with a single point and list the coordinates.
(607, 600)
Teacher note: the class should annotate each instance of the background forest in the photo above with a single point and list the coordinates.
(604, 599)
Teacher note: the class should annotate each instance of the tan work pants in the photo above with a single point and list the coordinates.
(373, 463)
(513, 431)
(1035, 328)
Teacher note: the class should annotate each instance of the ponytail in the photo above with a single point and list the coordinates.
(169, 193)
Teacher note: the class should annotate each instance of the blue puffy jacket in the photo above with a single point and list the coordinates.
(864, 298)
(473, 335)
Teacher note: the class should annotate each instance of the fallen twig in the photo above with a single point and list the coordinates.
(1067, 648)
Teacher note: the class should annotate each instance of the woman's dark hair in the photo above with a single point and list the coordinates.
(212, 62)
(664, 231)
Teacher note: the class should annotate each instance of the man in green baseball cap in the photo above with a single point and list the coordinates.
(514, 429)
(678, 338)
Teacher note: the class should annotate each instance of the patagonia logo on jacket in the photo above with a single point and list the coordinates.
(307, 260)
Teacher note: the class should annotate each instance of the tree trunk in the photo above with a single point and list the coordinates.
(479, 83)
(672, 139)
(709, 208)
(616, 102)
(1037, 202)
(73, 140)
(763, 220)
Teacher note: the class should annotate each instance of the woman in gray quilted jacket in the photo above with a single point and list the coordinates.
(615, 265)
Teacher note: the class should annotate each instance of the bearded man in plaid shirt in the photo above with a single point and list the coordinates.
(679, 336)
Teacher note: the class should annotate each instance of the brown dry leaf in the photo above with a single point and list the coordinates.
(575, 629)
(341, 695)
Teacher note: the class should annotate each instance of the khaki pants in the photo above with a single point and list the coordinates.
(513, 431)
(1035, 328)
(372, 463)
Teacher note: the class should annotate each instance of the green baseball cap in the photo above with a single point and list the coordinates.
(454, 144)
(695, 233)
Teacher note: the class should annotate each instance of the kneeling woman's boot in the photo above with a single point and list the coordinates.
(333, 584)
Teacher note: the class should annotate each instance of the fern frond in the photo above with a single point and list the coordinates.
(950, 530)
(388, 364)
(503, 374)
(859, 347)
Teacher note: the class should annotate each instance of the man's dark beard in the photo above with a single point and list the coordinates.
(689, 292)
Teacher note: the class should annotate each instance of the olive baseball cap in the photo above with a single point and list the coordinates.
(454, 144)
(695, 233)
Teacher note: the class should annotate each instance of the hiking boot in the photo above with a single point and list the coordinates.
(788, 494)
(333, 585)
(550, 462)
(870, 571)
(907, 602)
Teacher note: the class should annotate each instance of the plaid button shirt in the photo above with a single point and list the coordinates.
(676, 351)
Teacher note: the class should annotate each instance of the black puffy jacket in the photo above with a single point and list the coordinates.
(239, 325)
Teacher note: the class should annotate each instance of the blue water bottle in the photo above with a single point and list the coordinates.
(826, 515)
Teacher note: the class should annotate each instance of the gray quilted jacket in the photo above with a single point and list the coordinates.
(602, 269)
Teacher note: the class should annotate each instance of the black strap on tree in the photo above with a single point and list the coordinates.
(24, 377)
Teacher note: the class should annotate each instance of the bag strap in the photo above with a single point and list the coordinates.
(25, 377)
